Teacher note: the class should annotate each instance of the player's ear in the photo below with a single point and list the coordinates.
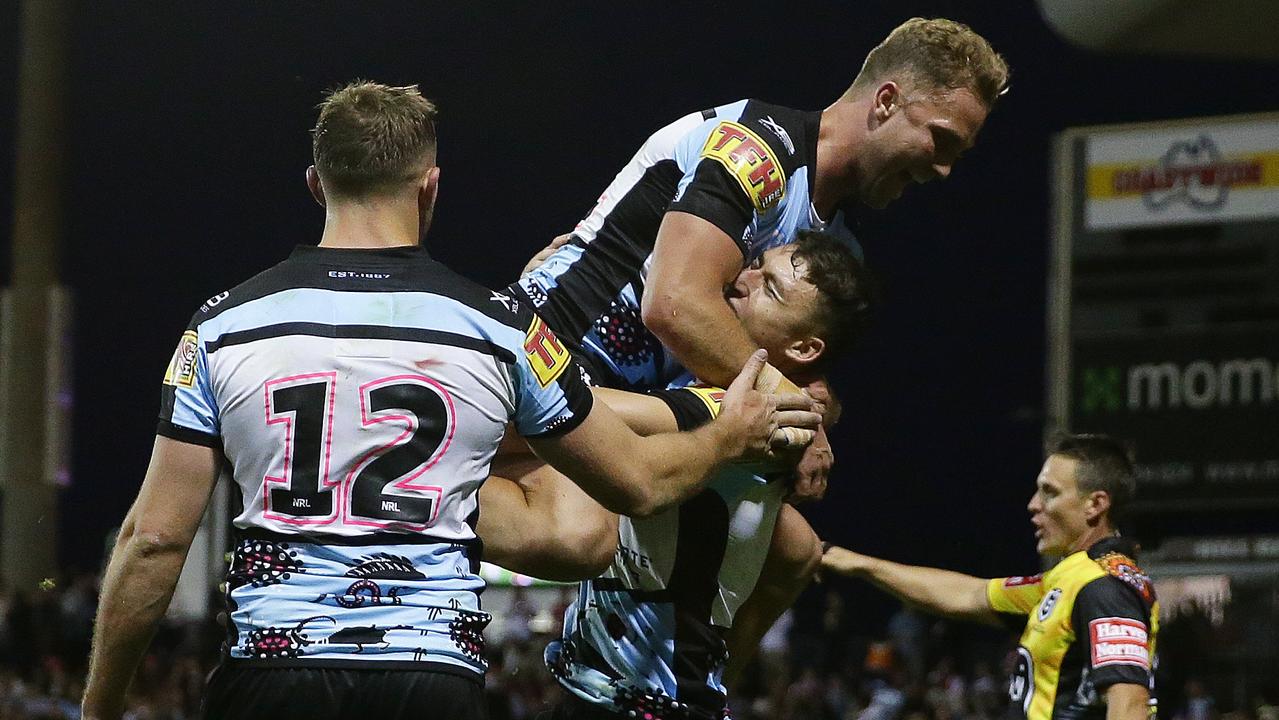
(313, 183)
(1097, 504)
(427, 193)
(428, 190)
(806, 351)
(887, 100)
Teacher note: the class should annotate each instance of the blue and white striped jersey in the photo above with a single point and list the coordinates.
(747, 167)
(359, 397)
(647, 636)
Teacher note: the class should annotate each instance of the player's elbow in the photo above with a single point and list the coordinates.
(587, 547)
(657, 310)
(150, 543)
(637, 497)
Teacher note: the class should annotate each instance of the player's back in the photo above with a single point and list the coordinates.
(746, 167)
(359, 397)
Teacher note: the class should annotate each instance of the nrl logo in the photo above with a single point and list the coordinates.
(1191, 171)
(1049, 603)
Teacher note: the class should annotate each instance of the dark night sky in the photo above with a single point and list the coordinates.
(189, 143)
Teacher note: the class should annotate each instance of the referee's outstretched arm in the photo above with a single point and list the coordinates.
(943, 592)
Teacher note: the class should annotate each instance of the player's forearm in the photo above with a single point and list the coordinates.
(678, 465)
(701, 330)
(644, 414)
(546, 527)
(943, 592)
(136, 591)
(1126, 701)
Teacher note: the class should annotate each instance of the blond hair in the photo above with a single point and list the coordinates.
(372, 138)
(937, 54)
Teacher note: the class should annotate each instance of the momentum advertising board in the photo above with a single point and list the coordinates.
(1164, 304)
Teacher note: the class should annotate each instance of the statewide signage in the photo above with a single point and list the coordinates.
(1182, 174)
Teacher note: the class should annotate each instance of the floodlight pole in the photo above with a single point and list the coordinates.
(28, 490)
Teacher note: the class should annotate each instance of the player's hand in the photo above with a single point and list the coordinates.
(786, 438)
(812, 472)
(536, 261)
(751, 418)
(826, 402)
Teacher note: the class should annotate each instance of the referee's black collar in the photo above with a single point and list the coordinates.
(1113, 543)
(376, 256)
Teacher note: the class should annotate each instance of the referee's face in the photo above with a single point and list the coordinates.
(1058, 510)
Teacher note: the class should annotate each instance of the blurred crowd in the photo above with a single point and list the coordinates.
(810, 666)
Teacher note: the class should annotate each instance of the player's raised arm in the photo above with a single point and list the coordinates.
(639, 476)
(943, 592)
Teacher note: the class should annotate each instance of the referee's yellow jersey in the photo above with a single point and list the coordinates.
(1089, 623)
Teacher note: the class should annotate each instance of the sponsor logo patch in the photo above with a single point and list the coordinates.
(546, 354)
(748, 159)
(1119, 641)
(1021, 580)
(182, 368)
(1125, 568)
(713, 397)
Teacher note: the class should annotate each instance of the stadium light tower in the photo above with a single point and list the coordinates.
(32, 431)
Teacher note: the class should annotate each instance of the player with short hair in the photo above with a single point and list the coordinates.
(647, 638)
(638, 286)
(356, 394)
(1088, 624)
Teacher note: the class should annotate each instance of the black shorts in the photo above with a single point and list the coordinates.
(237, 692)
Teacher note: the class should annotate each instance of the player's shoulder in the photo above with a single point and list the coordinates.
(1117, 571)
(785, 132)
(260, 285)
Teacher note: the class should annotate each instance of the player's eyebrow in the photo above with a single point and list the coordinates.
(775, 287)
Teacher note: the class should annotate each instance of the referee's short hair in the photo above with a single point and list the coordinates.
(371, 139)
(1104, 464)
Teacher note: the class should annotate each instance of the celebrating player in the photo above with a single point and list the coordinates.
(358, 391)
(1088, 624)
(638, 286)
(648, 637)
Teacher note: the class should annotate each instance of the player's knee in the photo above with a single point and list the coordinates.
(796, 551)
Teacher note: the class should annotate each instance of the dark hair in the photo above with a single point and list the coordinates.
(937, 54)
(1104, 464)
(847, 290)
(371, 138)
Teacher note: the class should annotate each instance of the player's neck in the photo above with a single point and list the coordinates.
(838, 139)
(370, 224)
(1091, 537)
